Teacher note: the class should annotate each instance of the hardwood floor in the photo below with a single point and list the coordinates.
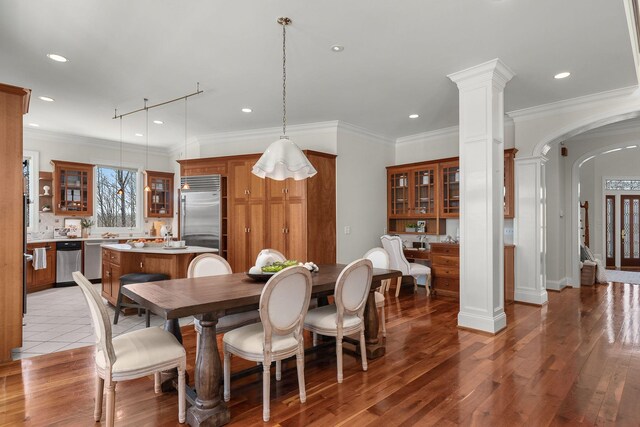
(575, 361)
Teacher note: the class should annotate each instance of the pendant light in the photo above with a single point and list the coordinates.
(120, 191)
(186, 185)
(146, 163)
(283, 158)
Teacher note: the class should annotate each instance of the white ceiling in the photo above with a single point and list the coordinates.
(396, 58)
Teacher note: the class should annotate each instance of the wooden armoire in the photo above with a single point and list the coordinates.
(14, 102)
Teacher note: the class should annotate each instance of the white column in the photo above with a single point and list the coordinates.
(481, 195)
(530, 233)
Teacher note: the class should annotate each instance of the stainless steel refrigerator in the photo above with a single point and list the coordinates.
(200, 211)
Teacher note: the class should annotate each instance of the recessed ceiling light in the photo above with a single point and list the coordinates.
(139, 134)
(337, 48)
(34, 125)
(46, 98)
(414, 116)
(562, 75)
(158, 122)
(247, 110)
(56, 57)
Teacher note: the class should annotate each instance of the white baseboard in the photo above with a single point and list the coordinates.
(489, 324)
(557, 285)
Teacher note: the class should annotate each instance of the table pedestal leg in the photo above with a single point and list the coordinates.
(169, 379)
(375, 346)
(209, 408)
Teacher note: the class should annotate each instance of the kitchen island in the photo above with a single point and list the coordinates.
(121, 259)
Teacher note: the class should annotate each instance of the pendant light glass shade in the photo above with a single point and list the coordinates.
(284, 159)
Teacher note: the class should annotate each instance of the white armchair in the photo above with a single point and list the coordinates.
(397, 261)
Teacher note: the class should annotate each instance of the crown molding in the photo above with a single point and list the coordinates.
(357, 130)
(429, 136)
(271, 133)
(621, 128)
(569, 105)
(65, 138)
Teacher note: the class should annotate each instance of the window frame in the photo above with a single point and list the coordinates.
(34, 175)
(139, 228)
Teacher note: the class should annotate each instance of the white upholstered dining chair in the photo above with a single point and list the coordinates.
(129, 356)
(346, 316)
(283, 304)
(380, 259)
(397, 261)
(214, 265)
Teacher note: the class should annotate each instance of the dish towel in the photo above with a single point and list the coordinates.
(39, 259)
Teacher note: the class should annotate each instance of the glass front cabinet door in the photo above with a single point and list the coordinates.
(450, 196)
(159, 201)
(73, 188)
(399, 194)
(424, 191)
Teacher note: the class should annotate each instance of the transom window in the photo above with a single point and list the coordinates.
(622, 184)
(115, 210)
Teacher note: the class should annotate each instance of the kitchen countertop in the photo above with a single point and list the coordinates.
(158, 249)
(80, 239)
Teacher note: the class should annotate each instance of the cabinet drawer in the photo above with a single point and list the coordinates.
(447, 286)
(446, 272)
(445, 261)
(445, 249)
(112, 256)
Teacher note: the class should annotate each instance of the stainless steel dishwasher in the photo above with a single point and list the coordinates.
(68, 260)
(93, 258)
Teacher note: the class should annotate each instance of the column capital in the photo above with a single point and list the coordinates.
(495, 71)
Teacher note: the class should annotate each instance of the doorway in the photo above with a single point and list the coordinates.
(630, 231)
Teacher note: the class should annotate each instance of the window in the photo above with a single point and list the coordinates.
(115, 210)
(622, 184)
(30, 172)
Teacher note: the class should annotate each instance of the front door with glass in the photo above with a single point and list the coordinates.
(630, 231)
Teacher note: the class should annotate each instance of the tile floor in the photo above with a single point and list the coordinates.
(58, 319)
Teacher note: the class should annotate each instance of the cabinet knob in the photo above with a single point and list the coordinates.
(141, 265)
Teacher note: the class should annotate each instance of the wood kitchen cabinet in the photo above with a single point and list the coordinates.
(118, 263)
(301, 214)
(38, 280)
(72, 188)
(245, 186)
(297, 218)
(412, 196)
(247, 234)
(445, 270)
(14, 103)
(159, 201)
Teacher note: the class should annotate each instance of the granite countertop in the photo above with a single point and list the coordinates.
(124, 247)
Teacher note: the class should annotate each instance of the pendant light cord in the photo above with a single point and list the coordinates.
(146, 162)
(284, 78)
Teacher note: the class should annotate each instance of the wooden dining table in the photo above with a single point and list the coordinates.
(209, 298)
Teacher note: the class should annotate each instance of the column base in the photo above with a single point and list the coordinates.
(531, 297)
(488, 324)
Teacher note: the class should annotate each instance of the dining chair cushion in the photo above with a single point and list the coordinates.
(325, 317)
(141, 349)
(418, 269)
(250, 339)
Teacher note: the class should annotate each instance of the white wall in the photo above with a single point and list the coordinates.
(361, 191)
(555, 257)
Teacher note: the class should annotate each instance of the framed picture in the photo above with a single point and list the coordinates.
(73, 226)
(422, 225)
